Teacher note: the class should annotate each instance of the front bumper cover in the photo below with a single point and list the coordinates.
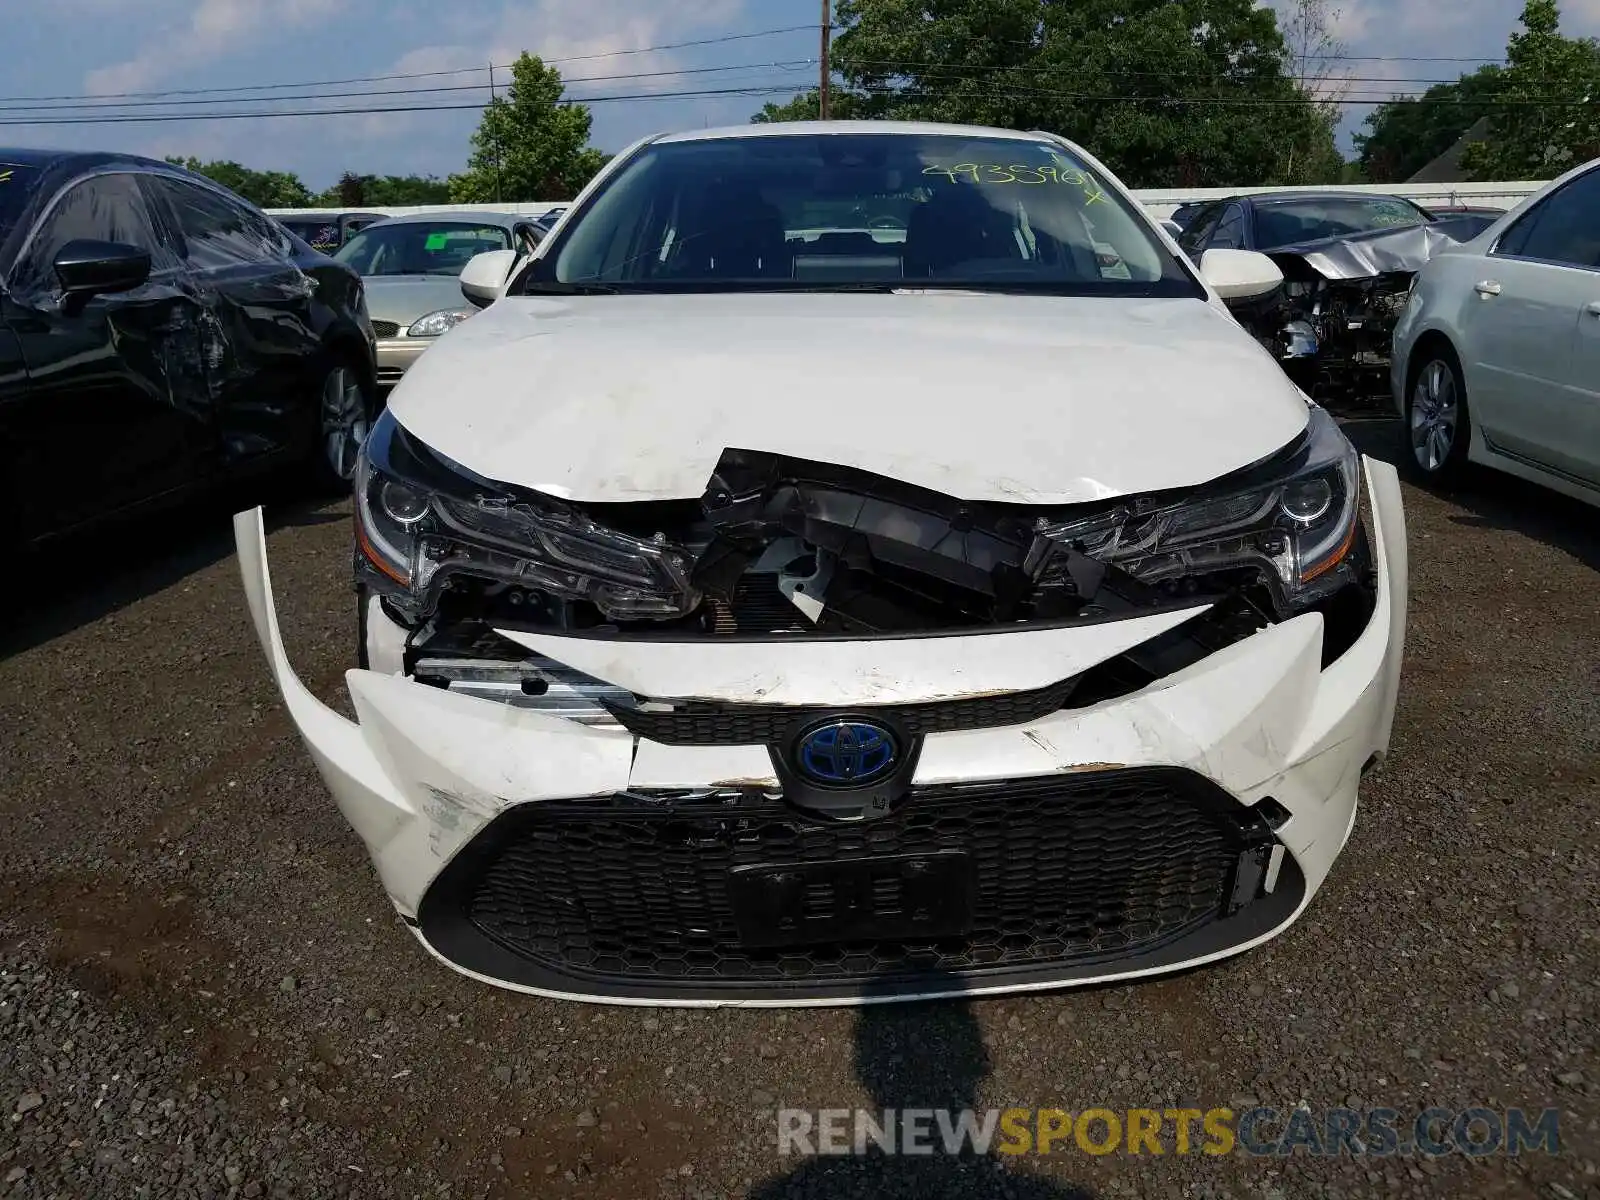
(426, 772)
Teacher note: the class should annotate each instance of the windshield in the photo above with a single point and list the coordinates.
(420, 247)
(856, 210)
(320, 234)
(1288, 222)
(16, 188)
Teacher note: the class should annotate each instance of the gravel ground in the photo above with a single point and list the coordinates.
(204, 992)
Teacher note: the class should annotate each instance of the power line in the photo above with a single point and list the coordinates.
(931, 69)
(757, 90)
(981, 68)
(265, 87)
(99, 105)
(768, 89)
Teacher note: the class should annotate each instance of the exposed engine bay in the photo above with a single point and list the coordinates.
(1331, 324)
(780, 547)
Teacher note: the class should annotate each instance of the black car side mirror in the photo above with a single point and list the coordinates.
(86, 268)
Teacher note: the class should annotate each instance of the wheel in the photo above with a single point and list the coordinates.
(1438, 425)
(344, 411)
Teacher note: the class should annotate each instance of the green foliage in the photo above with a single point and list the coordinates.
(1548, 116)
(382, 191)
(1192, 93)
(842, 106)
(265, 189)
(529, 145)
(1403, 136)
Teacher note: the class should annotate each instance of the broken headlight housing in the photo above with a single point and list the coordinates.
(423, 523)
(1295, 523)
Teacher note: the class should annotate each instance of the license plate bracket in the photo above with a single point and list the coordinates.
(919, 897)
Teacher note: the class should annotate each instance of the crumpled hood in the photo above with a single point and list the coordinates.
(1038, 400)
(404, 298)
(1368, 255)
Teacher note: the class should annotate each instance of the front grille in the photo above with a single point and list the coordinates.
(706, 724)
(1063, 870)
(385, 329)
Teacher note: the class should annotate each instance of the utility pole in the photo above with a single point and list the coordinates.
(494, 131)
(827, 37)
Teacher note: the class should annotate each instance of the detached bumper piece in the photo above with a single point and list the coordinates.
(732, 895)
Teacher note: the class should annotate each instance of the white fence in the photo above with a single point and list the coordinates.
(1160, 201)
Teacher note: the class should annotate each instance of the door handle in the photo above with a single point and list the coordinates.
(1486, 288)
(1592, 308)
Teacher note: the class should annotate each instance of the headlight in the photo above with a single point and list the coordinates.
(1296, 527)
(420, 525)
(437, 323)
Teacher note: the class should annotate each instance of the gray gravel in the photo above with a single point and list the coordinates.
(204, 992)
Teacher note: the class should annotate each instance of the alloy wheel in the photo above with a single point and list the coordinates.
(1435, 413)
(344, 420)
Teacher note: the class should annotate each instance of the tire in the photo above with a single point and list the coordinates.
(1438, 424)
(344, 414)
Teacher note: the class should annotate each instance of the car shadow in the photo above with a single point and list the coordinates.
(1494, 500)
(90, 576)
(913, 1056)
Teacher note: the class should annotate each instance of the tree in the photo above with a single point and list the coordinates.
(1403, 136)
(842, 106)
(1168, 94)
(1312, 55)
(384, 191)
(529, 145)
(265, 189)
(1546, 117)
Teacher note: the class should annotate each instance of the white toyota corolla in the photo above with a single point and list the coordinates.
(855, 561)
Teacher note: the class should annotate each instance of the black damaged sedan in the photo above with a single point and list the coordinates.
(159, 335)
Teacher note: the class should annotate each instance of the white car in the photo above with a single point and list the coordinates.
(753, 617)
(1497, 354)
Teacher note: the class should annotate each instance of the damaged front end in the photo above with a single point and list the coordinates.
(778, 548)
(816, 733)
(1332, 322)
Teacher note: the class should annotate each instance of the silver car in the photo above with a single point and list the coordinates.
(411, 267)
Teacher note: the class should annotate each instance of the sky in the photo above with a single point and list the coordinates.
(74, 49)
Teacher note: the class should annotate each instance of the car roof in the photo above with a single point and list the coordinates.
(1318, 194)
(470, 216)
(79, 159)
(800, 128)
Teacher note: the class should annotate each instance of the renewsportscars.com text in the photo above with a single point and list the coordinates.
(1151, 1131)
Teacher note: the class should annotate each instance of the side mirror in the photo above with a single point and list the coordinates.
(1174, 230)
(87, 268)
(1239, 274)
(484, 277)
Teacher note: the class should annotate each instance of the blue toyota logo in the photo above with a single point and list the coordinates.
(847, 752)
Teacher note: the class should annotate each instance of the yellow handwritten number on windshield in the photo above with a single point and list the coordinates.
(1021, 173)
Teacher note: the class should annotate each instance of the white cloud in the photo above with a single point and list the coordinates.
(584, 39)
(213, 28)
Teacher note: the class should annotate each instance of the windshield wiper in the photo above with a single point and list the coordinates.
(550, 287)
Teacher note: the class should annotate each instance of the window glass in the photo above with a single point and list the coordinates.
(421, 247)
(1230, 232)
(219, 232)
(104, 208)
(763, 210)
(1290, 222)
(320, 233)
(17, 183)
(1199, 229)
(1565, 228)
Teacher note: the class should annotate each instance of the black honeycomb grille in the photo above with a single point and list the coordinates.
(1067, 869)
(703, 724)
(385, 329)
